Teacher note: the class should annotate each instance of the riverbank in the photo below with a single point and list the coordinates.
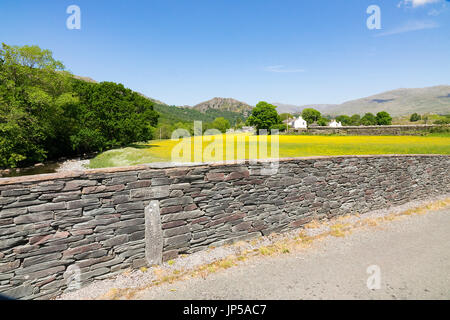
(76, 164)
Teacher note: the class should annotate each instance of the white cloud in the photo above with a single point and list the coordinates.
(416, 3)
(409, 27)
(282, 69)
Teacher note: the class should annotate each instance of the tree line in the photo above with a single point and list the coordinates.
(46, 113)
(265, 116)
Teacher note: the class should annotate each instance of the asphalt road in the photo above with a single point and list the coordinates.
(412, 256)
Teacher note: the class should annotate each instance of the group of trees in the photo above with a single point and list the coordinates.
(46, 113)
(165, 130)
(265, 116)
(314, 116)
(441, 119)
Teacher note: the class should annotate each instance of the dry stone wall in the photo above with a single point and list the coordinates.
(393, 130)
(82, 226)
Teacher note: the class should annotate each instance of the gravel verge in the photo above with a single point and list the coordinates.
(73, 165)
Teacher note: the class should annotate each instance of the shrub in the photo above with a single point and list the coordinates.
(415, 117)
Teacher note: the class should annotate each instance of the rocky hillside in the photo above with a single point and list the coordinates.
(224, 104)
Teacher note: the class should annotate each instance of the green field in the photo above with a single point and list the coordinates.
(289, 146)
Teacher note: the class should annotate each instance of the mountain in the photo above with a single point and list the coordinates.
(293, 109)
(400, 102)
(397, 102)
(224, 104)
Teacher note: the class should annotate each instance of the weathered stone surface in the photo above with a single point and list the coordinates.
(48, 207)
(34, 217)
(139, 184)
(29, 251)
(31, 261)
(129, 206)
(41, 266)
(177, 240)
(14, 192)
(78, 184)
(10, 242)
(8, 266)
(176, 231)
(185, 215)
(19, 291)
(171, 209)
(176, 201)
(37, 240)
(173, 224)
(48, 186)
(81, 249)
(170, 255)
(76, 204)
(116, 241)
(156, 192)
(8, 213)
(153, 234)
(160, 181)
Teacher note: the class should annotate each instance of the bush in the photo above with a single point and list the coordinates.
(415, 117)
(383, 118)
(369, 120)
(442, 121)
(323, 122)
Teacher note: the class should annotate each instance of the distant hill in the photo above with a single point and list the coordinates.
(397, 102)
(224, 104)
(293, 109)
(400, 102)
(173, 114)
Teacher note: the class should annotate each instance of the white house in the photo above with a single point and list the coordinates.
(298, 123)
(335, 124)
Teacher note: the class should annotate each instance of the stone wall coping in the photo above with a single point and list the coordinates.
(168, 165)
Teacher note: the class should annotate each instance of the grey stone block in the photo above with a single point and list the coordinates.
(153, 234)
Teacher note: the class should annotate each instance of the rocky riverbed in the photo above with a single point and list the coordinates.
(49, 167)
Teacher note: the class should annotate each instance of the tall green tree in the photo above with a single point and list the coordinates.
(311, 115)
(264, 116)
(384, 118)
(221, 124)
(111, 115)
(33, 94)
(369, 120)
(345, 120)
(323, 122)
(355, 120)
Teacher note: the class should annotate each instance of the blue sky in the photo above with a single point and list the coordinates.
(183, 52)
